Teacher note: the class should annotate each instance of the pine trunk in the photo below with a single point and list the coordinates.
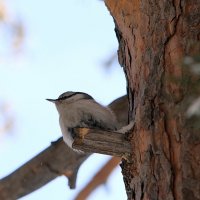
(154, 36)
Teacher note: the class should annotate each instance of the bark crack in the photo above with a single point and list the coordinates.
(176, 20)
(152, 117)
(142, 190)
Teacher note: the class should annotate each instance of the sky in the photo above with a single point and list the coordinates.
(65, 48)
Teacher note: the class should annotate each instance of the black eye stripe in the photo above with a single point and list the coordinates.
(66, 97)
(62, 98)
(87, 96)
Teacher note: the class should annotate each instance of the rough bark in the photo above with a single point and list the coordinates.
(101, 141)
(154, 36)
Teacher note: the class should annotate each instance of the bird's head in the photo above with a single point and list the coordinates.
(70, 97)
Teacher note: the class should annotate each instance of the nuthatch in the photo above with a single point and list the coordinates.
(78, 109)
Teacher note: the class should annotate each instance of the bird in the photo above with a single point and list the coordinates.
(80, 110)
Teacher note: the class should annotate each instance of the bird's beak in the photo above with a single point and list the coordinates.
(52, 100)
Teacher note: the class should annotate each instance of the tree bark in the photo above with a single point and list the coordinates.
(90, 140)
(154, 36)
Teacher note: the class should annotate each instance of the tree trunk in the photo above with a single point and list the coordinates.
(154, 36)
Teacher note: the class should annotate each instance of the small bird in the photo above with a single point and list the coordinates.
(78, 109)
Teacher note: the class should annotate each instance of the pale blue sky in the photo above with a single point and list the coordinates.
(66, 44)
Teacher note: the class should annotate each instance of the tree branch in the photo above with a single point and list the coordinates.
(100, 141)
(99, 178)
(56, 160)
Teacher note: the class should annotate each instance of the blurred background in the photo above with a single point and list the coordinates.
(47, 48)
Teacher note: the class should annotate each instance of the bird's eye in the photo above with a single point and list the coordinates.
(62, 98)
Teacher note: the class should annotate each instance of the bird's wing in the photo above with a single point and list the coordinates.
(89, 121)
